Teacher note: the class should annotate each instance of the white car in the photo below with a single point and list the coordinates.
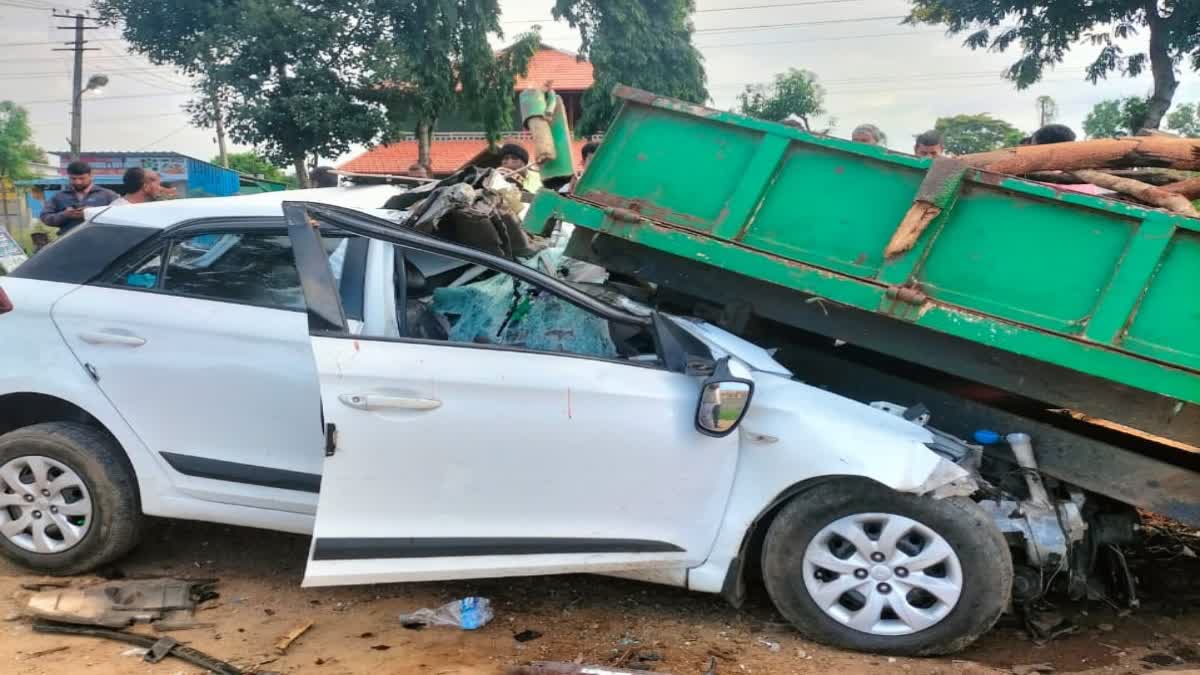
(428, 411)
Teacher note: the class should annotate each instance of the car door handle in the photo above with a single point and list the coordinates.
(103, 337)
(382, 402)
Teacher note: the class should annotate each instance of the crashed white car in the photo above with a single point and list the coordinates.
(428, 411)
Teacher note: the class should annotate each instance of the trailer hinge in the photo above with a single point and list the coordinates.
(330, 439)
(910, 294)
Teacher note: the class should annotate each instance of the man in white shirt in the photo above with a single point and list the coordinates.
(141, 185)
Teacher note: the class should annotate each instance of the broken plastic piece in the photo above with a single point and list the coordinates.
(120, 603)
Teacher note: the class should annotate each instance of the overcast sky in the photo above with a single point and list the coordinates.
(874, 70)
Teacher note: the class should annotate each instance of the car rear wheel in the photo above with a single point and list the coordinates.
(857, 565)
(68, 498)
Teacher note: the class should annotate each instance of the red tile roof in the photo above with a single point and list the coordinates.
(448, 154)
(562, 69)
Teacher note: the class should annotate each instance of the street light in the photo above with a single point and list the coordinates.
(95, 83)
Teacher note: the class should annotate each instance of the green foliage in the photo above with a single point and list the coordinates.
(795, 92)
(1115, 118)
(17, 148)
(281, 67)
(253, 164)
(436, 57)
(1185, 120)
(642, 43)
(966, 134)
(1046, 30)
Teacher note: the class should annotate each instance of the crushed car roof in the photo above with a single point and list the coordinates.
(266, 204)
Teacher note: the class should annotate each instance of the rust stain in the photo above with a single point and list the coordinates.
(642, 210)
(862, 258)
(641, 156)
(569, 411)
(839, 170)
(356, 345)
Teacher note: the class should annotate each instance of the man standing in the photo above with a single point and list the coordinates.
(929, 144)
(513, 157)
(65, 210)
(140, 186)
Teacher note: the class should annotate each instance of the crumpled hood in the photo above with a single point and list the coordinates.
(724, 343)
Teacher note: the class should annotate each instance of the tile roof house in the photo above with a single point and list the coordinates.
(450, 151)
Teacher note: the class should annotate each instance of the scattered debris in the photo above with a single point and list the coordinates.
(44, 585)
(565, 668)
(381, 648)
(722, 653)
(468, 613)
(169, 602)
(1162, 659)
(281, 646)
(712, 666)
(46, 652)
(1032, 669)
(771, 645)
(192, 656)
(527, 635)
(159, 650)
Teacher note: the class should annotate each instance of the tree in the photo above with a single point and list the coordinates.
(795, 92)
(282, 68)
(642, 43)
(1047, 29)
(253, 164)
(967, 134)
(17, 148)
(1115, 118)
(438, 56)
(1185, 120)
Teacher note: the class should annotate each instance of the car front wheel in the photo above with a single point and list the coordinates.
(857, 565)
(68, 498)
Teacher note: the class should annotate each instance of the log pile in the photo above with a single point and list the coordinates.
(1154, 170)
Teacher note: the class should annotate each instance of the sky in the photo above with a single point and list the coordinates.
(874, 70)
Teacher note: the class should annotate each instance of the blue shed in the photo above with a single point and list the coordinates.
(190, 177)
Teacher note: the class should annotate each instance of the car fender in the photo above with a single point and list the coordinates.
(795, 436)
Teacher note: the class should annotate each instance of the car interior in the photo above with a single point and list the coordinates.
(448, 299)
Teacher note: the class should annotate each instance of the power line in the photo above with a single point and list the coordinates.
(740, 8)
(776, 26)
(802, 40)
(102, 100)
(160, 140)
(122, 118)
(27, 75)
(54, 42)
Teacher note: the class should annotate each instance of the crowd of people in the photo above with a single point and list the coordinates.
(932, 143)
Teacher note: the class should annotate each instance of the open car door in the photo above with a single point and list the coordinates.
(450, 459)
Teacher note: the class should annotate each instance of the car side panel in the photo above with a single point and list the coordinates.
(35, 359)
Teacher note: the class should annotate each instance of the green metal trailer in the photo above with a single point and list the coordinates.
(1002, 300)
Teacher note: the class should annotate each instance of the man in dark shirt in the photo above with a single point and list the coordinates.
(65, 209)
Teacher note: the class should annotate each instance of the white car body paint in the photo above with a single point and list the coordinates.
(622, 460)
(818, 434)
(520, 445)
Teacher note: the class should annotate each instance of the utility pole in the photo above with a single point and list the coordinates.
(1047, 110)
(77, 86)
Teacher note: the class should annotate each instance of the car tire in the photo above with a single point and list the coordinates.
(943, 606)
(79, 462)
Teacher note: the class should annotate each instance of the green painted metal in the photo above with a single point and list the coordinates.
(1103, 287)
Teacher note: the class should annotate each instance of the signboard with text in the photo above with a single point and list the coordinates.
(172, 168)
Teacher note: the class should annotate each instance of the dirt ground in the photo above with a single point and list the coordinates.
(596, 619)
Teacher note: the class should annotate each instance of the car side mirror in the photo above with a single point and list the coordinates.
(724, 400)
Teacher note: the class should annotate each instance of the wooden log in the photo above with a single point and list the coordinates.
(1189, 188)
(1159, 177)
(1119, 153)
(1155, 196)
